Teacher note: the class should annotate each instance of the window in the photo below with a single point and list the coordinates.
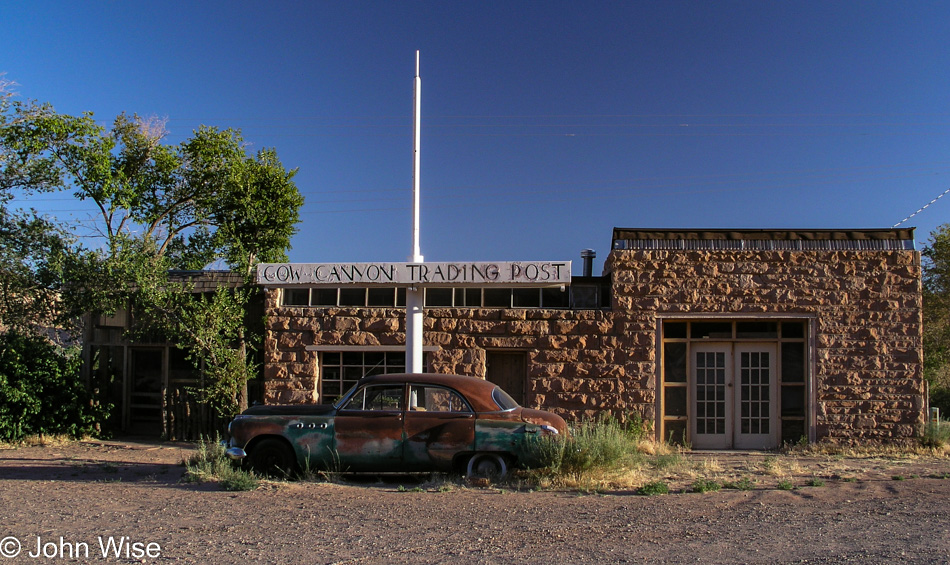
(580, 296)
(377, 397)
(502, 399)
(435, 399)
(297, 297)
(339, 371)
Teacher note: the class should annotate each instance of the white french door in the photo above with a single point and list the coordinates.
(734, 396)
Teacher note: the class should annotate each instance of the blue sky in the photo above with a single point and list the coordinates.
(545, 124)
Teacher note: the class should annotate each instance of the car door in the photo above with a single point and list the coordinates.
(439, 424)
(369, 429)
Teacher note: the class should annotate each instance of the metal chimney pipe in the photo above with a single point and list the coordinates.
(588, 256)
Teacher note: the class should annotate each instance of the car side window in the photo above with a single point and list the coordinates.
(435, 399)
(379, 397)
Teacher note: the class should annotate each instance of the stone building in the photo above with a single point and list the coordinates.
(720, 338)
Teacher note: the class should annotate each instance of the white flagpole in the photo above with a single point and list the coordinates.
(415, 296)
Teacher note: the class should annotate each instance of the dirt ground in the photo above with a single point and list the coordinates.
(67, 502)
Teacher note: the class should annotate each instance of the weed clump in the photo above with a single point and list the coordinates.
(211, 464)
(594, 447)
(653, 488)
(706, 485)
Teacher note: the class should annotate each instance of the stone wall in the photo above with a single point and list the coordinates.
(867, 343)
(867, 307)
(579, 362)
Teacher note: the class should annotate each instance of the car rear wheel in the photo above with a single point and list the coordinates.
(491, 466)
(272, 458)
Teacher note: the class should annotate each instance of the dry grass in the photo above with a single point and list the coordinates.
(41, 440)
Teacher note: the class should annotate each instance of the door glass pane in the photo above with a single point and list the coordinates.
(793, 362)
(793, 401)
(674, 400)
(757, 329)
(675, 431)
(699, 330)
(710, 392)
(674, 329)
(674, 362)
(793, 329)
(754, 378)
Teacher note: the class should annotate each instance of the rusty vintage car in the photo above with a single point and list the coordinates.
(395, 423)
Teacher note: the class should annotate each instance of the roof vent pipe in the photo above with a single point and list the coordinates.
(588, 256)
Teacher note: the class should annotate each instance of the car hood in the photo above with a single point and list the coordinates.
(540, 417)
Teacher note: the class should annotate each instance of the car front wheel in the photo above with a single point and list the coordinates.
(272, 458)
(491, 466)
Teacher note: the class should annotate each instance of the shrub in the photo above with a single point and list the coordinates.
(706, 485)
(936, 434)
(742, 484)
(41, 392)
(600, 445)
(654, 487)
(211, 464)
(786, 485)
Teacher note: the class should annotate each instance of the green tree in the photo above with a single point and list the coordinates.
(41, 390)
(936, 294)
(161, 208)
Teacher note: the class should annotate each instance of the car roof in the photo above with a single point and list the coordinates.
(477, 391)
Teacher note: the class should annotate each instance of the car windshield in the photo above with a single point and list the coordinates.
(502, 399)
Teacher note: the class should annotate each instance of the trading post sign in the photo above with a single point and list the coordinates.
(509, 273)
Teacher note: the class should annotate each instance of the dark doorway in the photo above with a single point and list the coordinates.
(145, 391)
(508, 370)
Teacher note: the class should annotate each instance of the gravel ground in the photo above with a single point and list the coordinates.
(71, 496)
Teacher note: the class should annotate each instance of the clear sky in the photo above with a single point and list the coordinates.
(545, 123)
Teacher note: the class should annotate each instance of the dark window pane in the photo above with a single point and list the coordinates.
(297, 297)
(468, 297)
(331, 373)
(324, 297)
(555, 297)
(396, 360)
(674, 329)
(331, 358)
(675, 432)
(400, 297)
(438, 297)
(674, 362)
(793, 401)
(352, 297)
(793, 329)
(331, 391)
(353, 358)
(757, 329)
(793, 431)
(374, 358)
(497, 298)
(381, 297)
(793, 362)
(585, 296)
(526, 298)
(699, 330)
(674, 400)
